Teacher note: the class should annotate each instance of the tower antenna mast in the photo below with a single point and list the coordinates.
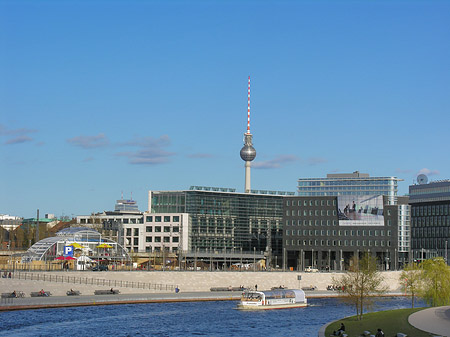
(248, 152)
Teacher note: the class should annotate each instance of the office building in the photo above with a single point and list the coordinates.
(355, 183)
(430, 218)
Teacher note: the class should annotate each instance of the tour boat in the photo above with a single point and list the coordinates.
(273, 299)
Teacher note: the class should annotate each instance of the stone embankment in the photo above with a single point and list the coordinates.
(199, 281)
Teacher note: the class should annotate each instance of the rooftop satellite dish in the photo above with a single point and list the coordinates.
(422, 179)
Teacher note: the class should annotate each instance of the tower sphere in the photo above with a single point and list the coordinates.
(248, 153)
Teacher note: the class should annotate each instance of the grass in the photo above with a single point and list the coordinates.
(390, 321)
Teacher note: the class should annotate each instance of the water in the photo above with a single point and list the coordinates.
(182, 319)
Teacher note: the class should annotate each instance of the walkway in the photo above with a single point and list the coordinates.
(434, 320)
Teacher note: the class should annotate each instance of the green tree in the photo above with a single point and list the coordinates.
(411, 280)
(361, 283)
(435, 282)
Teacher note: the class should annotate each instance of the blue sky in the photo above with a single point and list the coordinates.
(103, 97)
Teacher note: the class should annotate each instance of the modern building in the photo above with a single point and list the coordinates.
(355, 183)
(316, 234)
(227, 223)
(430, 218)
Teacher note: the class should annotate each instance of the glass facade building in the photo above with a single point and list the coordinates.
(355, 183)
(223, 220)
(430, 219)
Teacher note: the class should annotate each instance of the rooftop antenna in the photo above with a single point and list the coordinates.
(131, 195)
(121, 195)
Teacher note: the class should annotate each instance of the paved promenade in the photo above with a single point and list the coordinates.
(434, 320)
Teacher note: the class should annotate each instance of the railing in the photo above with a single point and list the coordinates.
(91, 281)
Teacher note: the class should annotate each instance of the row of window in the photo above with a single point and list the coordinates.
(166, 239)
(346, 182)
(430, 210)
(311, 222)
(429, 243)
(338, 243)
(311, 202)
(156, 229)
(431, 232)
(311, 212)
(166, 218)
(346, 232)
(431, 221)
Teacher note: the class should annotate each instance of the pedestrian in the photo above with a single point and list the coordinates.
(380, 333)
(9, 275)
(256, 287)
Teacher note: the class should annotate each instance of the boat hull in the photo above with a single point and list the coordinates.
(272, 306)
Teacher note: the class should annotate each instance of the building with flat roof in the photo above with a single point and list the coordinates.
(430, 219)
(355, 183)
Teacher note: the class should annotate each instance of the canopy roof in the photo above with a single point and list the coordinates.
(52, 247)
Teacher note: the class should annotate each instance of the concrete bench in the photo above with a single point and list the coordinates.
(107, 292)
(73, 293)
(8, 295)
(39, 294)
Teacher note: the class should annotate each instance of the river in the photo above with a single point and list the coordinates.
(182, 319)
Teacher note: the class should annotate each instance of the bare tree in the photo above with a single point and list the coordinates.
(361, 283)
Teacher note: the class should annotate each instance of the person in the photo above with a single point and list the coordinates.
(14, 294)
(341, 330)
(380, 333)
(112, 291)
(9, 275)
(177, 290)
(256, 287)
(43, 293)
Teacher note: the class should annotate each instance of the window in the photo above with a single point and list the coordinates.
(136, 241)
(157, 239)
(176, 218)
(166, 229)
(175, 239)
(148, 239)
(128, 231)
(166, 239)
(166, 218)
(148, 229)
(176, 229)
(149, 219)
(136, 231)
(157, 219)
(158, 229)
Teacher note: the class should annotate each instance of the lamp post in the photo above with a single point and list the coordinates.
(446, 252)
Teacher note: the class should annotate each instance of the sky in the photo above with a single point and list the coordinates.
(100, 98)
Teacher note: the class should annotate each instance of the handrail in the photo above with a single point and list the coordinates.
(90, 280)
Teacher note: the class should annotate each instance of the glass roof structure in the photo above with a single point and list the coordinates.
(86, 242)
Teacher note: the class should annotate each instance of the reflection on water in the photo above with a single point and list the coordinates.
(181, 319)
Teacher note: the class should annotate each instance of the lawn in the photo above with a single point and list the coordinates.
(390, 321)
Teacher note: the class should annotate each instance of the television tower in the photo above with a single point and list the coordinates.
(248, 152)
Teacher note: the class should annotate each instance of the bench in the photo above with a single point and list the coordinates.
(107, 292)
(39, 294)
(73, 293)
(8, 295)
(399, 334)
(309, 288)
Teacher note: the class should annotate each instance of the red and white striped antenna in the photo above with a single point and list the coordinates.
(248, 108)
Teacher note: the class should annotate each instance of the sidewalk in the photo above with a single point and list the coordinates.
(434, 320)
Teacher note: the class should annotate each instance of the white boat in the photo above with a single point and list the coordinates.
(273, 299)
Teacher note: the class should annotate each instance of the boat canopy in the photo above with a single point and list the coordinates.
(298, 294)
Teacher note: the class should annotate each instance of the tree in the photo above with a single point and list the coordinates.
(411, 279)
(435, 282)
(361, 283)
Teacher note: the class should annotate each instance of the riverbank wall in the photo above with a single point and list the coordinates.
(198, 281)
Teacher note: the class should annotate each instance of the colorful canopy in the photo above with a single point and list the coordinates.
(104, 245)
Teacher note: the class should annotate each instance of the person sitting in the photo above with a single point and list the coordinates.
(341, 330)
(43, 293)
(14, 294)
(379, 333)
(112, 291)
